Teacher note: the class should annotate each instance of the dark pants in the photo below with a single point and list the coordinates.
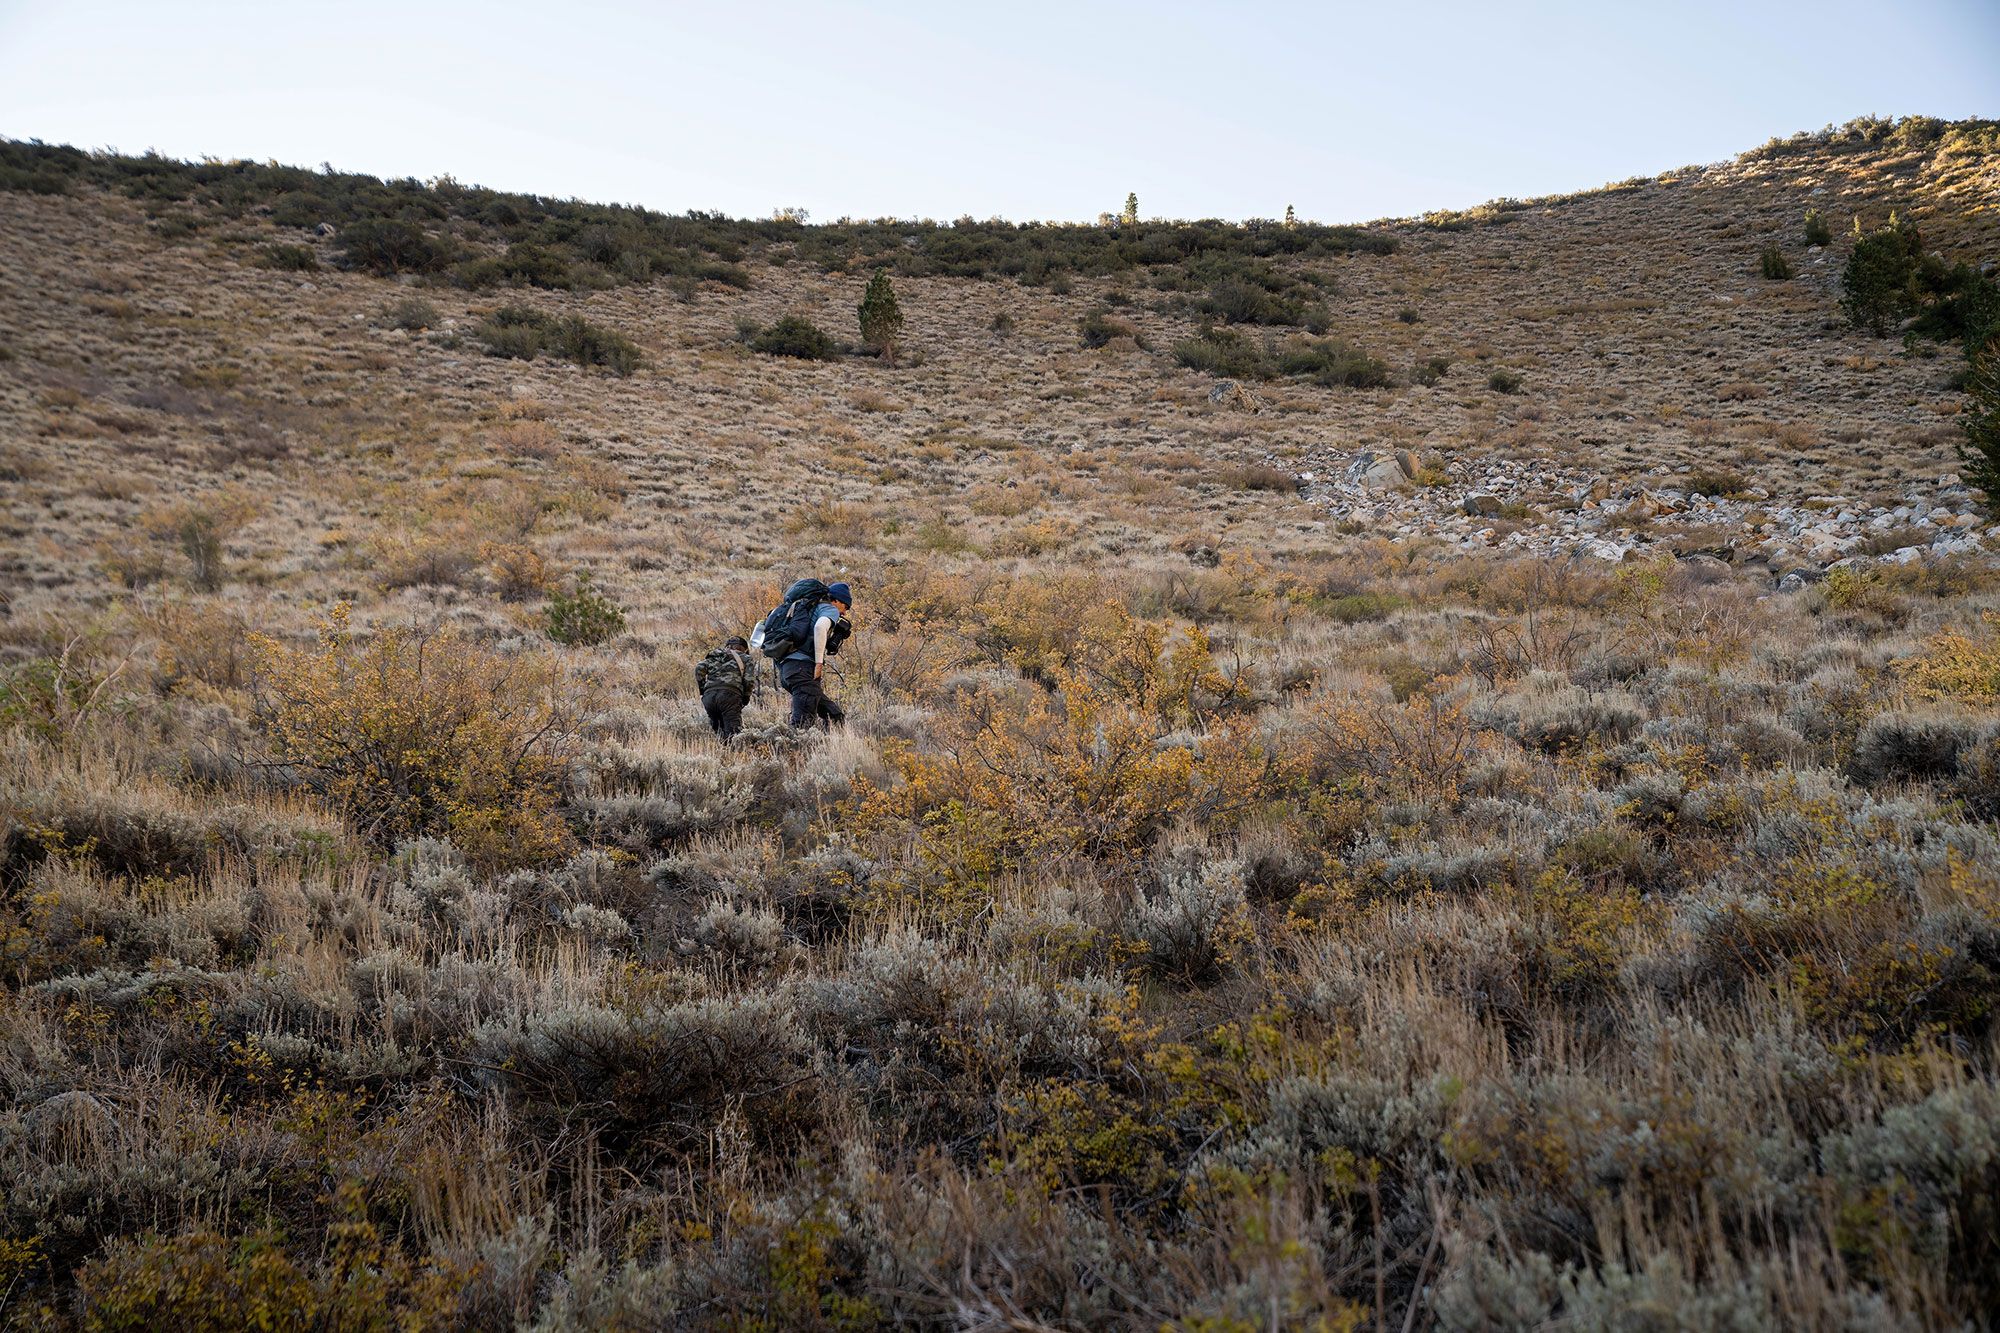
(725, 711)
(810, 706)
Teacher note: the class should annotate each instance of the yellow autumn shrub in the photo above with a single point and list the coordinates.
(1122, 740)
(421, 732)
(1957, 667)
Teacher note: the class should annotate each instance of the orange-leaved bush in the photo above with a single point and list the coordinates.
(415, 731)
(1112, 748)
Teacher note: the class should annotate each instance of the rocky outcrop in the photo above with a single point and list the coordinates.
(1552, 510)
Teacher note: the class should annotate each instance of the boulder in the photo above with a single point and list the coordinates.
(1480, 503)
(1408, 462)
(1708, 565)
(1641, 506)
(1228, 393)
(1384, 474)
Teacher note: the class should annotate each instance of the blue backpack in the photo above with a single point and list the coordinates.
(789, 627)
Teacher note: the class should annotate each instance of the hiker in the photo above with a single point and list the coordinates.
(726, 681)
(806, 628)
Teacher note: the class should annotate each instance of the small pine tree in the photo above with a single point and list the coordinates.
(1773, 264)
(1979, 451)
(1291, 218)
(1130, 217)
(1878, 285)
(881, 317)
(583, 615)
(1817, 232)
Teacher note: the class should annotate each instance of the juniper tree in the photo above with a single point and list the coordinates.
(881, 317)
(1130, 217)
(1877, 285)
(1979, 451)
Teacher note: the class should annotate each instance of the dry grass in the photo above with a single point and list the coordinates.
(1209, 919)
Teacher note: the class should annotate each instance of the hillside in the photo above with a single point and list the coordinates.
(1440, 773)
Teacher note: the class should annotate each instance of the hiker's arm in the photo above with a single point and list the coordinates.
(821, 628)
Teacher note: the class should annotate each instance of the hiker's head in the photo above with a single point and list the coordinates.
(739, 643)
(841, 593)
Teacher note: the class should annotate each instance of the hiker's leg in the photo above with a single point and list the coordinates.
(831, 713)
(807, 700)
(797, 677)
(712, 703)
(732, 715)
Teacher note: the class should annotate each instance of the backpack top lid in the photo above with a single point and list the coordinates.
(804, 589)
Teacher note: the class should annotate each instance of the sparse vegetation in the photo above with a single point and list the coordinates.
(1233, 902)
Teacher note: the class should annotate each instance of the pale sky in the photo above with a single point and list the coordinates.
(1350, 111)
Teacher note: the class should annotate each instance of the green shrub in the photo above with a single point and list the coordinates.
(520, 265)
(290, 258)
(1224, 352)
(881, 318)
(523, 333)
(1716, 482)
(1891, 277)
(1235, 301)
(387, 246)
(575, 338)
(583, 615)
(1099, 327)
(1878, 286)
(1979, 451)
(411, 314)
(1327, 361)
(796, 336)
(1333, 363)
(1816, 230)
(1504, 381)
(1773, 264)
(1430, 371)
(1901, 746)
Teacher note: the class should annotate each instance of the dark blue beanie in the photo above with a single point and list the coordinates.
(841, 593)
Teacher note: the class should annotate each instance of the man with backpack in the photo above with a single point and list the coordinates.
(725, 680)
(800, 634)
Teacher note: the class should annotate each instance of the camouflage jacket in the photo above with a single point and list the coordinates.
(725, 668)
